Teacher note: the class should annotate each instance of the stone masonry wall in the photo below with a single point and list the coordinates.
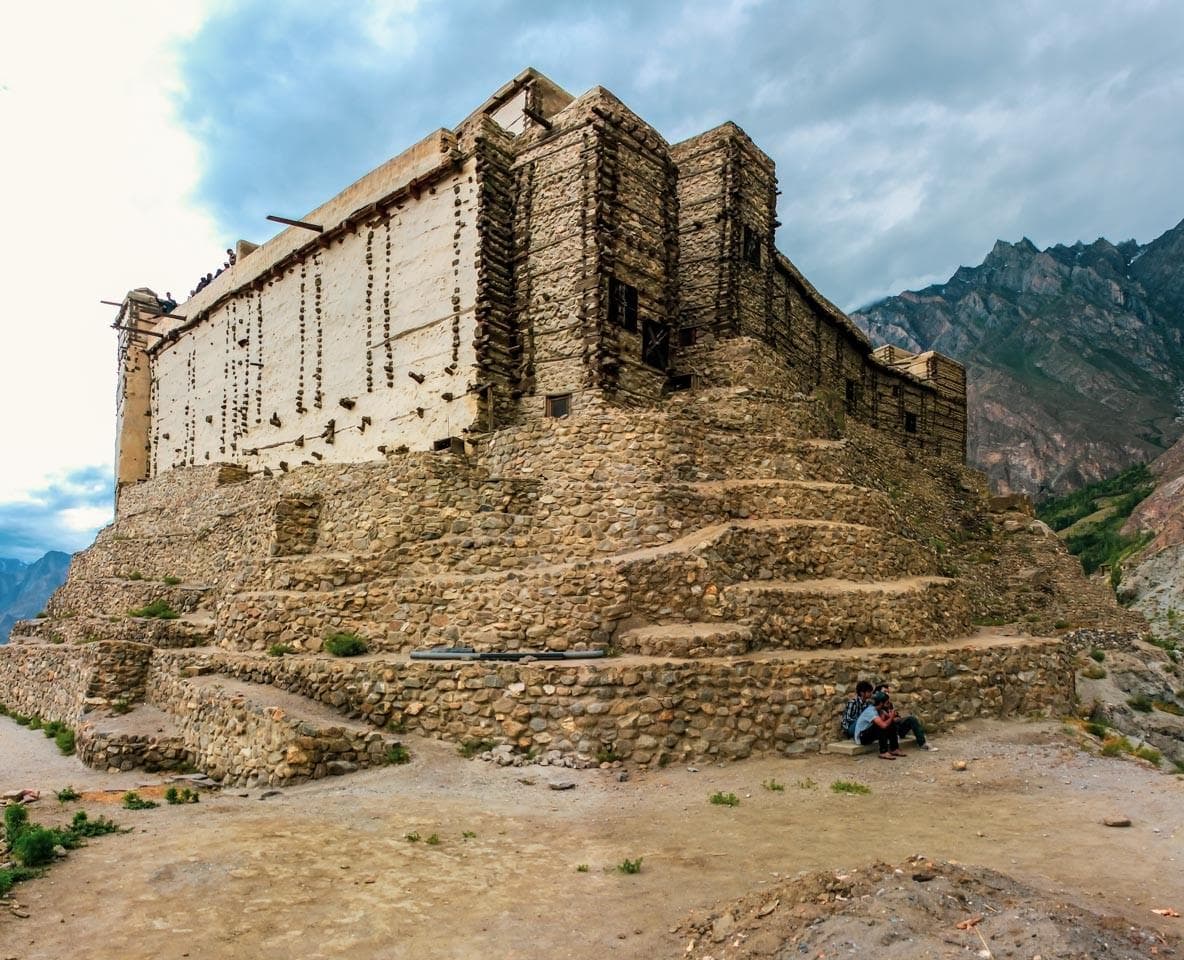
(653, 712)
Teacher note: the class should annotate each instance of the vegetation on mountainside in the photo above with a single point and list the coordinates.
(1090, 520)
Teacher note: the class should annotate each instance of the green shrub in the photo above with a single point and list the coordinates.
(66, 794)
(120, 706)
(64, 738)
(133, 801)
(11, 876)
(433, 840)
(724, 799)
(1140, 702)
(607, 755)
(51, 729)
(83, 826)
(1097, 655)
(135, 575)
(1095, 729)
(581, 868)
(851, 787)
(773, 785)
(16, 819)
(33, 846)
(1094, 672)
(412, 837)
(170, 581)
(469, 835)
(156, 610)
(173, 796)
(630, 866)
(345, 645)
(398, 754)
(280, 650)
(35, 722)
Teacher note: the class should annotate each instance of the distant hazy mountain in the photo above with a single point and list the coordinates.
(1074, 355)
(24, 587)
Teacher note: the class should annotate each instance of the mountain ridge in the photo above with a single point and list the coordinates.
(25, 587)
(1074, 355)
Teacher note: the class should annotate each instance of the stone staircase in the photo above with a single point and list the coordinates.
(722, 549)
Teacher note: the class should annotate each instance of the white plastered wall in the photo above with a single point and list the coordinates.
(397, 293)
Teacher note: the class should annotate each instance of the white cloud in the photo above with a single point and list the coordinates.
(95, 183)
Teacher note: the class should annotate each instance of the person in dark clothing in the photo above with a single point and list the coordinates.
(874, 726)
(168, 304)
(904, 725)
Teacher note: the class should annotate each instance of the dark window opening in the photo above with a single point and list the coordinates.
(688, 336)
(896, 390)
(655, 344)
(751, 246)
(684, 381)
(910, 423)
(622, 304)
(443, 444)
(852, 395)
(559, 405)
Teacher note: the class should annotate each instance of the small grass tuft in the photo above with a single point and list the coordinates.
(807, 784)
(412, 837)
(1094, 672)
(170, 581)
(850, 787)
(64, 739)
(280, 649)
(581, 868)
(345, 645)
(772, 785)
(1115, 746)
(156, 610)
(133, 801)
(173, 796)
(121, 707)
(469, 835)
(1150, 754)
(66, 794)
(607, 755)
(724, 799)
(1097, 655)
(135, 575)
(1141, 702)
(1167, 706)
(630, 866)
(396, 753)
(471, 748)
(433, 840)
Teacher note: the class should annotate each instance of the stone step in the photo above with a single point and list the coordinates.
(189, 630)
(251, 734)
(655, 709)
(573, 605)
(808, 614)
(118, 595)
(686, 640)
(768, 499)
(770, 457)
(146, 738)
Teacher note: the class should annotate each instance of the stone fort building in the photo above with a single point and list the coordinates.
(539, 383)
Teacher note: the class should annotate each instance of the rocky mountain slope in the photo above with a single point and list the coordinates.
(1074, 355)
(25, 587)
(1153, 579)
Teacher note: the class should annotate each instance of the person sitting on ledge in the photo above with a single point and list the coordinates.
(875, 726)
(851, 712)
(904, 725)
(168, 304)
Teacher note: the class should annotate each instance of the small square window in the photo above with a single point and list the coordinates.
(559, 405)
(751, 247)
(622, 305)
(910, 423)
(688, 336)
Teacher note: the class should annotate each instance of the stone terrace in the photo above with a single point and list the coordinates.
(741, 554)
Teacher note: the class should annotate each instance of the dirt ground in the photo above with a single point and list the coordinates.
(325, 870)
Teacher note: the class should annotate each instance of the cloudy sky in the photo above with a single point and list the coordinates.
(142, 138)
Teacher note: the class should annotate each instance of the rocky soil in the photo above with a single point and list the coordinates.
(327, 869)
